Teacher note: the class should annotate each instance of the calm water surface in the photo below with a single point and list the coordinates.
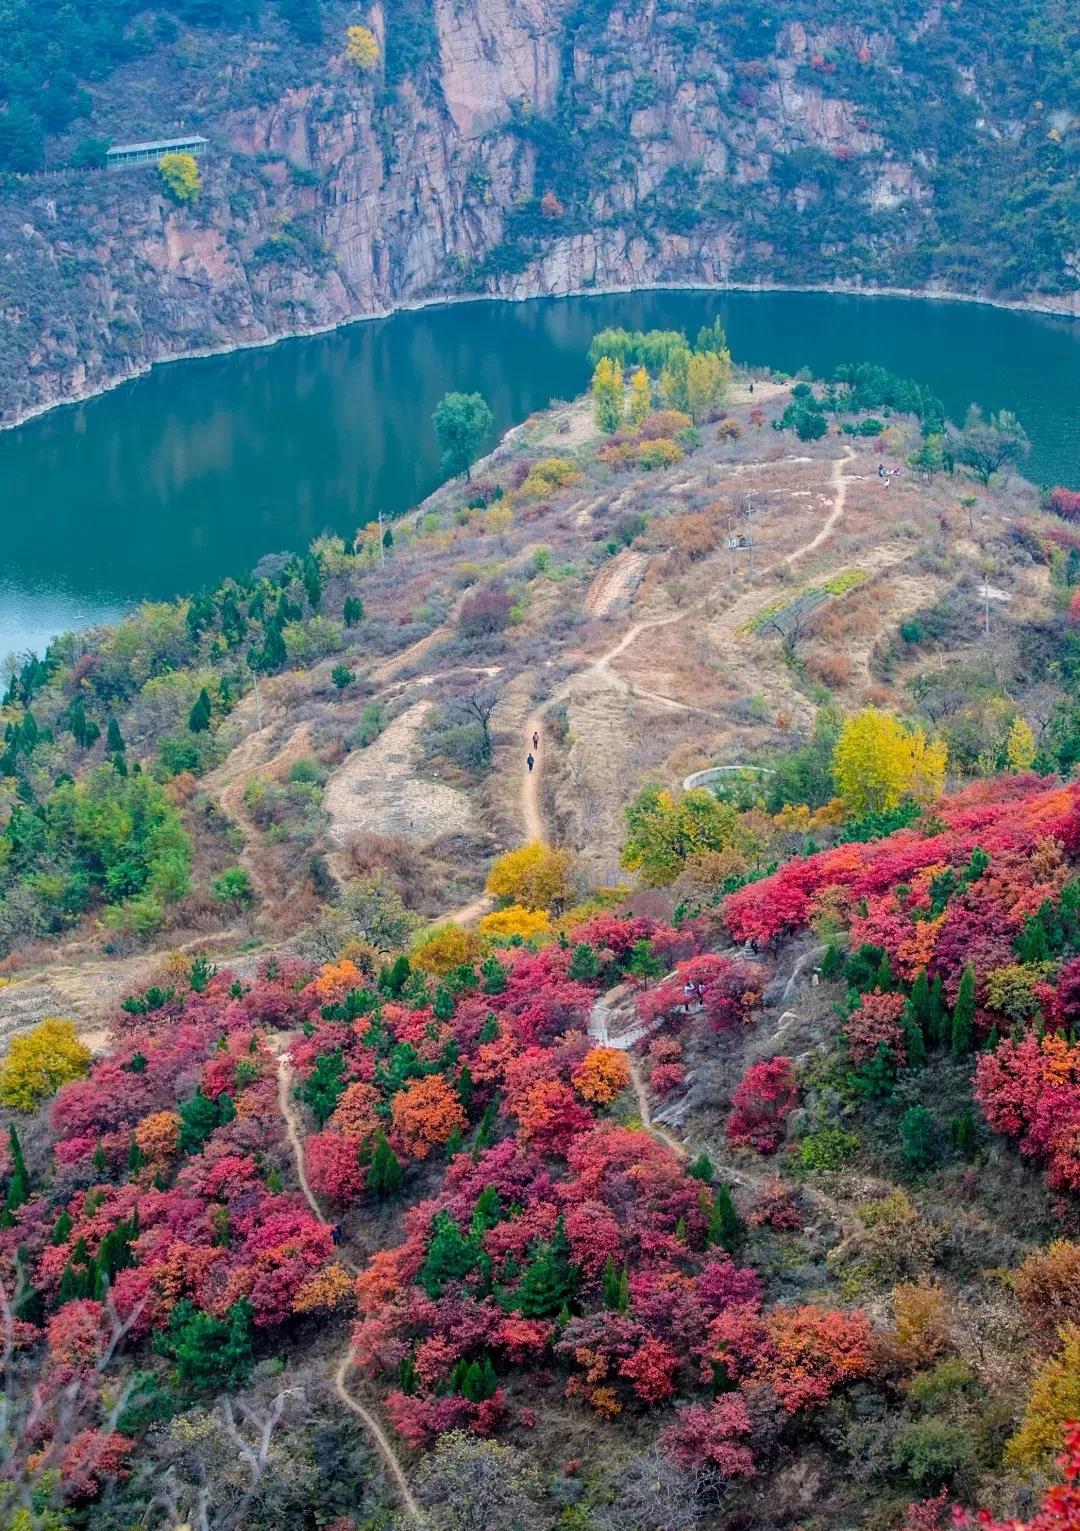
(198, 469)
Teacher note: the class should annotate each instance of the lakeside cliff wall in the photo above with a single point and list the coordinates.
(531, 147)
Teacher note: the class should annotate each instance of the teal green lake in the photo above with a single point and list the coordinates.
(198, 469)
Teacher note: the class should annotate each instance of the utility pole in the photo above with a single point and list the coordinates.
(382, 550)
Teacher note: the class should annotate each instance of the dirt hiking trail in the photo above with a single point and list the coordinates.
(531, 817)
(341, 1375)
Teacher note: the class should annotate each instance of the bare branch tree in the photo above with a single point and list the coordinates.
(479, 706)
(220, 1462)
(34, 1409)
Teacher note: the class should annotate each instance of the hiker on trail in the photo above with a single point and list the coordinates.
(751, 387)
(881, 470)
(335, 1234)
(536, 741)
(689, 992)
(529, 761)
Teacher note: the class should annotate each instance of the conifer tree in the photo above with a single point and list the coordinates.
(644, 964)
(726, 1227)
(702, 1169)
(549, 1280)
(913, 1034)
(487, 1211)
(963, 1019)
(485, 1131)
(609, 1277)
(920, 1002)
(450, 1256)
(465, 1086)
(939, 1016)
(18, 1186)
(493, 978)
(584, 964)
(201, 713)
(385, 1174)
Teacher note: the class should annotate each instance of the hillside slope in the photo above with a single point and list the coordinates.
(518, 147)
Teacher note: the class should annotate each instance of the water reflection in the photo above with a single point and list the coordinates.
(198, 469)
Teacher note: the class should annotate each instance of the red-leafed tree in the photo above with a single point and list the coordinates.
(763, 1100)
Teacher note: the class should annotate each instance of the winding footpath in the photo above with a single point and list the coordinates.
(341, 1376)
(533, 822)
(601, 667)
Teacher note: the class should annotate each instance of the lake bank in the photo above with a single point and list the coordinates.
(1067, 308)
(190, 473)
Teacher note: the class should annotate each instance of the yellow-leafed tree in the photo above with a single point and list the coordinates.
(39, 1063)
(504, 924)
(1020, 750)
(640, 396)
(878, 762)
(447, 948)
(607, 394)
(707, 377)
(180, 174)
(536, 876)
(1054, 1399)
(666, 831)
(361, 48)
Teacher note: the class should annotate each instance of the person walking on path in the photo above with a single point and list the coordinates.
(529, 761)
(536, 740)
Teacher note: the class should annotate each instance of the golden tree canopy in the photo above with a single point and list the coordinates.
(361, 48)
(878, 762)
(180, 173)
(40, 1062)
(536, 876)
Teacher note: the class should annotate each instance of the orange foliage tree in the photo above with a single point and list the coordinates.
(602, 1074)
(425, 1114)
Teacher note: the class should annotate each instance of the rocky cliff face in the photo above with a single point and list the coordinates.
(534, 149)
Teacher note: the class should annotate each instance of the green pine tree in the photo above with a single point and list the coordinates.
(913, 1035)
(62, 1228)
(493, 978)
(487, 1212)
(486, 1130)
(920, 1002)
(114, 739)
(644, 964)
(549, 1280)
(1031, 944)
(324, 1086)
(209, 1353)
(451, 1255)
(584, 965)
(832, 962)
(202, 712)
(465, 1086)
(385, 1174)
(937, 1029)
(18, 1186)
(702, 1169)
(609, 1279)
(726, 1227)
(963, 1019)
